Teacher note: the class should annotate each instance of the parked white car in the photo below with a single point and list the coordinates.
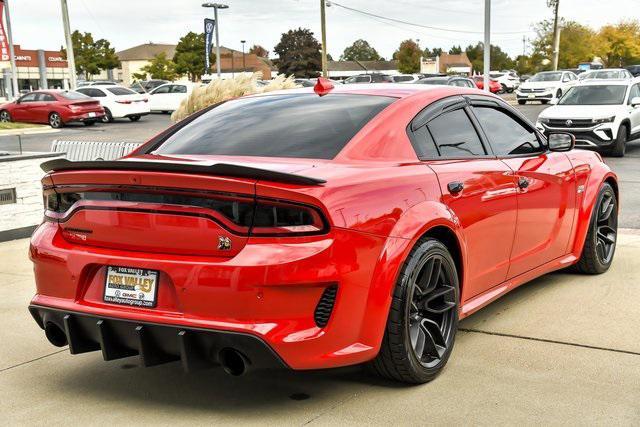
(601, 114)
(606, 74)
(508, 80)
(405, 78)
(118, 102)
(167, 97)
(546, 86)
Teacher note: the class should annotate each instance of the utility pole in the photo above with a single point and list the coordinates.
(524, 45)
(12, 53)
(67, 35)
(556, 32)
(323, 24)
(487, 43)
(244, 66)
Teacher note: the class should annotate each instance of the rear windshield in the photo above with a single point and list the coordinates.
(546, 77)
(594, 95)
(73, 95)
(121, 91)
(291, 125)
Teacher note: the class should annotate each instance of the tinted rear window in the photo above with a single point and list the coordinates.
(292, 125)
(118, 91)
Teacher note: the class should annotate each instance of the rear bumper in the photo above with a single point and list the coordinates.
(270, 290)
(84, 117)
(152, 343)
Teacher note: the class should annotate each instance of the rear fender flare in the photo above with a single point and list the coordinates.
(412, 225)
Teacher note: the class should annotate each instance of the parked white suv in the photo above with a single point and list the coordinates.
(118, 102)
(602, 114)
(606, 74)
(546, 86)
(508, 80)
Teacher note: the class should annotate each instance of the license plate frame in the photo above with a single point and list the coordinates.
(92, 114)
(136, 296)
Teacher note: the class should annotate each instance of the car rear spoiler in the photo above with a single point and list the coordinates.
(220, 169)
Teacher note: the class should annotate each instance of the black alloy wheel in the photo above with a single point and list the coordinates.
(55, 121)
(600, 244)
(5, 116)
(423, 318)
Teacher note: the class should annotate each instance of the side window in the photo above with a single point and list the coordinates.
(97, 93)
(178, 89)
(30, 97)
(634, 92)
(363, 79)
(162, 89)
(455, 136)
(506, 135)
(48, 98)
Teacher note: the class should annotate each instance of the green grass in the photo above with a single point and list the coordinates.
(11, 125)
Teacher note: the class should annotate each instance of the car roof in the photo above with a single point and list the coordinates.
(396, 90)
(608, 82)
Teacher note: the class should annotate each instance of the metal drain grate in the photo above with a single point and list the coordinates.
(8, 196)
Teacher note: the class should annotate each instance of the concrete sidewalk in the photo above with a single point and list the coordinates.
(564, 349)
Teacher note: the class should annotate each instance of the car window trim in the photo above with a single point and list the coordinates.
(516, 115)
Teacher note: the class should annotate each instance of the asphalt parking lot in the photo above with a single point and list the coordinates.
(561, 350)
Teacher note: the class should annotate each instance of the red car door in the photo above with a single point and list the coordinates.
(22, 109)
(546, 188)
(479, 189)
(43, 106)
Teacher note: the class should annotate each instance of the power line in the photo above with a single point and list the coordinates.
(400, 21)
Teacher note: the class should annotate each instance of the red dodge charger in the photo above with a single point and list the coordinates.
(315, 228)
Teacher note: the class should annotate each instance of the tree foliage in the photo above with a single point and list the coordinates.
(160, 67)
(619, 45)
(455, 50)
(360, 50)
(578, 43)
(260, 51)
(499, 59)
(91, 56)
(298, 53)
(408, 56)
(189, 56)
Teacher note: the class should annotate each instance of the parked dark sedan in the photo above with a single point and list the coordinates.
(448, 81)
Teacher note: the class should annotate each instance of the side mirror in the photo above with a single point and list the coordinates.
(561, 141)
(635, 101)
(554, 101)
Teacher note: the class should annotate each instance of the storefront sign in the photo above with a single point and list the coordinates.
(4, 43)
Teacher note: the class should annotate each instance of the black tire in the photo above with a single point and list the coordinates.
(600, 244)
(503, 88)
(89, 122)
(55, 120)
(544, 102)
(559, 94)
(5, 116)
(510, 90)
(620, 146)
(521, 101)
(134, 118)
(423, 317)
(165, 111)
(107, 118)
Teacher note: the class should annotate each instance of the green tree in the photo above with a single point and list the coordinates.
(160, 67)
(360, 50)
(298, 53)
(499, 59)
(432, 53)
(189, 56)
(455, 50)
(619, 45)
(578, 43)
(260, 51)
(408, 57)
(91, 56)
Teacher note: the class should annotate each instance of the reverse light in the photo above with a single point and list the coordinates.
(604, 120)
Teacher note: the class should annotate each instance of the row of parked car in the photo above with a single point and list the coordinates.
(94, 101)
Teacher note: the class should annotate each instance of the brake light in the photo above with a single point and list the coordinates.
(286, 219)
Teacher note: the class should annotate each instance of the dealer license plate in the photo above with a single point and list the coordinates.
(531, 95)
(92, 114)
(131, 286)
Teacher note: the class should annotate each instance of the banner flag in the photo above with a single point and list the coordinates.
(4, 43)
(209, 26)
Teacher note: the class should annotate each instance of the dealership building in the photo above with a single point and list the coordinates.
(37, 69)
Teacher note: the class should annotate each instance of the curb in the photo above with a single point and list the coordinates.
(28, 131)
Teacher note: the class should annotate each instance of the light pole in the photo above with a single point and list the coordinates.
(244, 67)
(323, 24)
(12, 54)
(487, 43)
(215, 7)
(555, 4)
(67, 34)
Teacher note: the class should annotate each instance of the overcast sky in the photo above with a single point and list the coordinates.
(37, 24)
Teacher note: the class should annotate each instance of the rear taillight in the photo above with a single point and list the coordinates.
(285, 219)
(239, 215)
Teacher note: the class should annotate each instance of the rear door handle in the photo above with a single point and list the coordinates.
(455, 187)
